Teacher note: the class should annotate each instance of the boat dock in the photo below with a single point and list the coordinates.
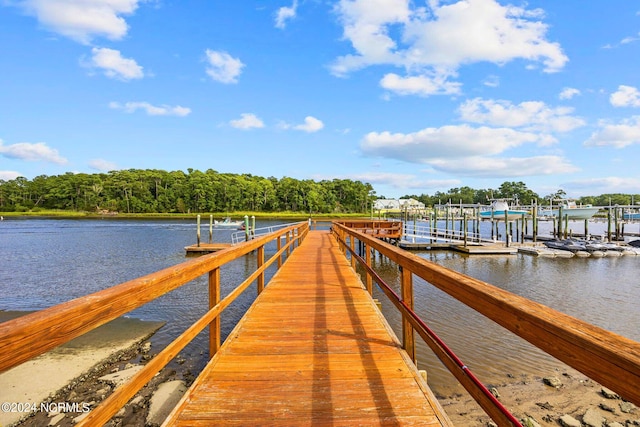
(313, 349)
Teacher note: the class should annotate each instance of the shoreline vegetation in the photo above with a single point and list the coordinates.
(159, 191)
(204, 215)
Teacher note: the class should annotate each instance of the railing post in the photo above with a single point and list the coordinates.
(279, 245)
(288, 240)
(214, 299)
(260, 264)
(406, 290)
(367, 258)
(352, 245)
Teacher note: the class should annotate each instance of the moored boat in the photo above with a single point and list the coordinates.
(500, 208)
(631, 215)
(570, 210)
(228, 223)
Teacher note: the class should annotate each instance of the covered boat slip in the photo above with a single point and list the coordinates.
(313, 350)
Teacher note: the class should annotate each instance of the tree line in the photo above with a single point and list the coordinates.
(159, 191)
(518, 193)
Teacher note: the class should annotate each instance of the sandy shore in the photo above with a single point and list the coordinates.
(40, 379)
(528, 397)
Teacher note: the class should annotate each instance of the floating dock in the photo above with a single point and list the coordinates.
(470, 248)
(206, 248)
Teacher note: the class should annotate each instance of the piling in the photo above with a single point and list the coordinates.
(198, 231)
(210, 228)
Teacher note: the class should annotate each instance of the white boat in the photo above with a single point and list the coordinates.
(570, 210)
(228, 223)
(499, 208)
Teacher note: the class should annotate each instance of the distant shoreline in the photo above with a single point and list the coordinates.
(205, 215)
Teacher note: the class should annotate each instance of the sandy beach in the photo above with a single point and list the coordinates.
(39, 380)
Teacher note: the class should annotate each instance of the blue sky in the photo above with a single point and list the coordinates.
(412, 96)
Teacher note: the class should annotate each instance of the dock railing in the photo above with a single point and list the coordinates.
(608, 358)
(28, 336)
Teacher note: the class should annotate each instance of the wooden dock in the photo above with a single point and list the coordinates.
(313, 350)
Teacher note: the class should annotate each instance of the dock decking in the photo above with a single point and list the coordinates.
(312, 350)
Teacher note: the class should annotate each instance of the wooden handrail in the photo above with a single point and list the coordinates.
(121, 395)
(608, 358)
(411, 322)
(33, 334)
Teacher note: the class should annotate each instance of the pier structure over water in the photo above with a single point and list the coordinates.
(313, 348)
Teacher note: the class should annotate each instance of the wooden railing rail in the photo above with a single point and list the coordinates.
(608, 358)
(28, 336)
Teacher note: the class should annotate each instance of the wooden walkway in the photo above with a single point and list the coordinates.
(312, 351)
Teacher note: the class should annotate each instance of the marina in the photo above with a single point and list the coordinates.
(489, 358)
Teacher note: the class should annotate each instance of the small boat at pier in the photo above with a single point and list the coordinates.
(570, 210)
(499, 208)
(631, 215)
(228, 223)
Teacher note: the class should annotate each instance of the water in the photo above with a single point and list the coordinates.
(49, 261)
(601, 291)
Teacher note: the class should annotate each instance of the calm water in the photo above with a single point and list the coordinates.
(49, 261)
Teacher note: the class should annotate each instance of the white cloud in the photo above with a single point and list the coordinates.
(446, 142)
(466, 150)
(441, 38)
(311, 124)
(222, 67)
(38, 151)
(419, 85)
(492, 81)
(605, 185)
(483, 166)
(114, 65)
(151, 110)
(619, 135)
(82, 20)
(530, 115)
(568, 93)
(285, 13)
(403, 181)
(247, 121)
(9, 175)
(102, 165)
(625, 96)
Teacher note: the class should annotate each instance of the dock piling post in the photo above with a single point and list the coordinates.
(198, 230)
(210, 228)
(535, 222)
(464, 218)
(586, 229)
(253, 226)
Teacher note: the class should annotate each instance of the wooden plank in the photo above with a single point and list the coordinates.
(312, 350)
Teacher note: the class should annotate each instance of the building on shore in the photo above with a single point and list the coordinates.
(399, 206)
